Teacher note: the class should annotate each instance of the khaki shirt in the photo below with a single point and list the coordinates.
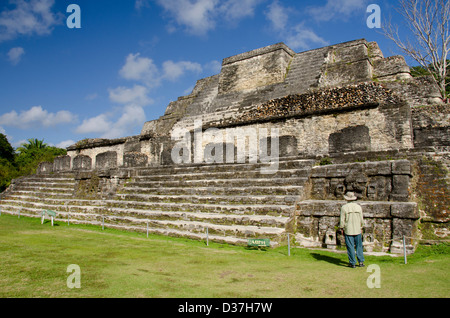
(351, 218)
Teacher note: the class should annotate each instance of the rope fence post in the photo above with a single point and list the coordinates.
(207, 237)
(289, 245)
(147, 228)
(103, 223)
(404, 249)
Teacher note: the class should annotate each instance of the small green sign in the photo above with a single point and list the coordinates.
(49, 213)
(259, 242)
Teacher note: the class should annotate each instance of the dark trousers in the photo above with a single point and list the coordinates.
(354, 242)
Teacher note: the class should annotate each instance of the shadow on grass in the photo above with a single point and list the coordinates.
(333, 260)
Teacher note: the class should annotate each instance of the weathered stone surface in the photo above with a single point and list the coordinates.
(355, 138)
(106, 160)
(391, 69)
(44, 168)
(254, 69)
(134, 159)
(62, 163)
(407, 210)
(82, 162)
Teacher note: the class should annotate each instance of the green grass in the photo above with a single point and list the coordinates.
(34, 260)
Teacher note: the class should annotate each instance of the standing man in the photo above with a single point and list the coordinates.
(351, 223)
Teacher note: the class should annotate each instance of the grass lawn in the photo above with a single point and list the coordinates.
(34, 260)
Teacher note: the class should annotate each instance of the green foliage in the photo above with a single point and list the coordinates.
(6, 150)
(25, 160)
(325, 161)
(7, 172)
(417, 71)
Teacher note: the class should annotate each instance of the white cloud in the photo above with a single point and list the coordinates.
(91, 96)
(144, 70)
(174, 70)
(303, 38)
(200, 16)
(197, 16)
(139, 4)
(131, 113)
(65, 143)
(296, 36)
(140, 69)
(98, 124)
(238, 9)
(36, 117)
(131, 117)
(15, 55)
(28, 18)
(278, 16)
(137, 95)
(337, 9)
(214, 66)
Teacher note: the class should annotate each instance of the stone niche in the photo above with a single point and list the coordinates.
(82, 162)
(355, 138)
(255, 69)
(61, 163)
(106, 160)
(135, 159)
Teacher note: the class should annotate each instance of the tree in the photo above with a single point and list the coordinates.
(34, 152)
(8, 170)
(417, 71)
(31, 145)
(6, 150)
(429, 22)
(25, 162)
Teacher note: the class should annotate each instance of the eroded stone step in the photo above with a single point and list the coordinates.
(230, 183)
(211, 190)
(232, 167)
(288, 173)
(214, 199)
(192, 226)
(90, 205)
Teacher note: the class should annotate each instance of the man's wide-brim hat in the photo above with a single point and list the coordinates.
(350, 196)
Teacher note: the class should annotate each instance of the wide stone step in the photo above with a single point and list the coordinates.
(49, 184)
(190, 223)
(247, 174)
(117, 214)
(245, 190)
(284, 163)
(43, 189)
(88, 205)
(230, 183)
(210, 199)
(36, 195)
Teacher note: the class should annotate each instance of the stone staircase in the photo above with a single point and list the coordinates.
(305, 70)
(234, 202)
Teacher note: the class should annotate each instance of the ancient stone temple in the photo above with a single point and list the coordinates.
(266, 148)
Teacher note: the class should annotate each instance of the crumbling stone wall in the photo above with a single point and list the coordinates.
(383, 189)
(431, 125)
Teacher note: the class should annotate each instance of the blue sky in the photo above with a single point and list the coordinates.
(130, 58)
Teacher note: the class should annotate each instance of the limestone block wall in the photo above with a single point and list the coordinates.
(384, 191)
(431, 126)
(254, 69)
